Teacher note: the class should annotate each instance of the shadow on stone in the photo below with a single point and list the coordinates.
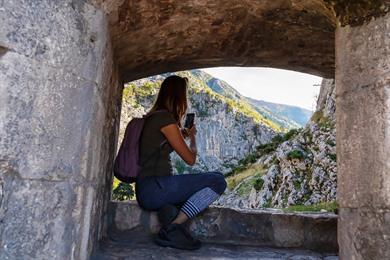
(3, 50)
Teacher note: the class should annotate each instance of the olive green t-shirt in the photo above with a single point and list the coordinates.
(152, 162)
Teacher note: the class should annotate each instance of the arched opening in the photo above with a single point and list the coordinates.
(230, 132)
(295, 36)
(239, 136)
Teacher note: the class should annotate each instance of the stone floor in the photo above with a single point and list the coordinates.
(137, 244)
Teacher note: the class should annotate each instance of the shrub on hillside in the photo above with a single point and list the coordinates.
(258, 184)
(321, 120)
(295, 154)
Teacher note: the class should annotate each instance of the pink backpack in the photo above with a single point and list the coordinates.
(126, 166)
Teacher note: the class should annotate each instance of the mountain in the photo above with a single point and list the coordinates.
(297, 168)
(297, 115)
(285, 116)
(217, 85)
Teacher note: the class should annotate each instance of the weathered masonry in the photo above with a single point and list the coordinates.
(63, 65)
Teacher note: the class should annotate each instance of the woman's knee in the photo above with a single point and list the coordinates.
(218, 183)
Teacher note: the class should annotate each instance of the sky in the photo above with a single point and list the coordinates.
(273, 85)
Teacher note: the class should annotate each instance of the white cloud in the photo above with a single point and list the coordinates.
(273, 85)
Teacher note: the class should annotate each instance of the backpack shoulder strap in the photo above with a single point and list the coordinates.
(154, 112)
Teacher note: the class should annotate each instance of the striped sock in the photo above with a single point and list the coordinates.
(199, 201)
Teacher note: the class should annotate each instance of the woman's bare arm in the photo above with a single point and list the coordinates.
(176, 140)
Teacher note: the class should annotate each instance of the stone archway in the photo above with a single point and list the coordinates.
(153, 37)
(62, 66)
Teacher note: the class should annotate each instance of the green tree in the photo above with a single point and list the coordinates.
(123, 191)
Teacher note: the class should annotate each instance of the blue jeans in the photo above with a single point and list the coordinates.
(156, 191)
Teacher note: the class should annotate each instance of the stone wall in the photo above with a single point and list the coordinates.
(59, 112)
(363, 139)
(244, 227)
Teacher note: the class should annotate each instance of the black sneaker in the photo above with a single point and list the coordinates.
(188, 235)
(167, 214)
(173, 236)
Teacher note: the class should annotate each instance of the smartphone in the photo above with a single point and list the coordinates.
(190, 118)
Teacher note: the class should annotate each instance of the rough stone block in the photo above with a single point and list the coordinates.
(36, 219)
(363, 138)
(123, 211)
(363, 114)
(52, 110)
(320, 233)
(362, 54)
(244, 227)
(289, 230)
(220, 224)
(66, 34)
(364, 233)
(363, 133)
(127, 215)
(59, 118)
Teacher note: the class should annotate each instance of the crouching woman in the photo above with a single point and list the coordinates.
(177, 198)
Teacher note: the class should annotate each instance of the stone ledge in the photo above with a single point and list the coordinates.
(138, 244)
(240, 227)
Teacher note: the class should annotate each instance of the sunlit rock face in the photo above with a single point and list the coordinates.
(301, 170)
(224, 136)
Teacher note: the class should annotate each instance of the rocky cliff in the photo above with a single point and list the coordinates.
(298, 168)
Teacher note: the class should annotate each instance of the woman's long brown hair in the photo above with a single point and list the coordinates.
(172, 97)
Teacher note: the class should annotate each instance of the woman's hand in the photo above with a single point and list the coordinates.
(192, 132)
(189, 132)
(184, 132)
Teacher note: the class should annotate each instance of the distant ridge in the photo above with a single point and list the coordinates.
(286, 116)
(297, 114)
